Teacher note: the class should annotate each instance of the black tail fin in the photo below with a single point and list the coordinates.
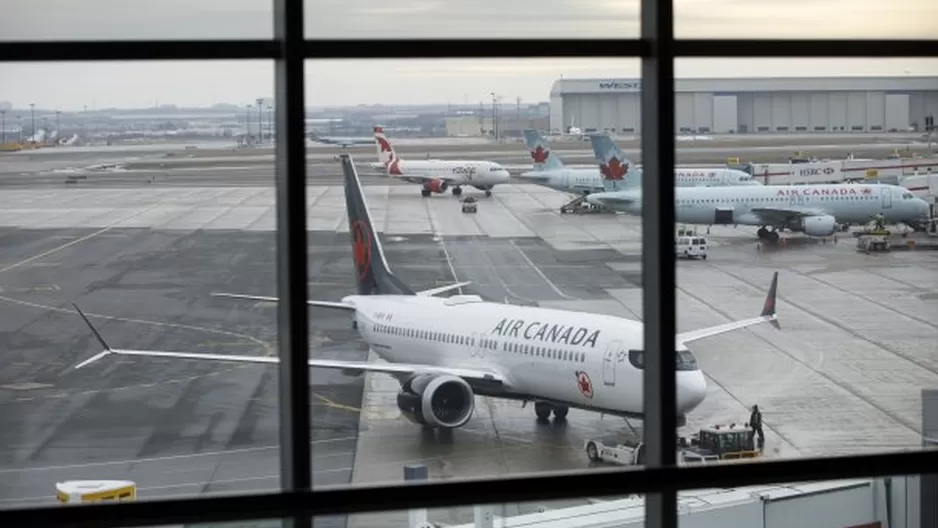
(372, 273)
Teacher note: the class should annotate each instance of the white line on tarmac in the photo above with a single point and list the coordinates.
(165, 458)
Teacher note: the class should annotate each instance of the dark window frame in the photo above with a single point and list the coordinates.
(660, 478)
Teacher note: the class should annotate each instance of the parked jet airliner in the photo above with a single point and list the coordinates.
(343, 142)
(815, 210)
(438, 175)
(550, 172)
(444, 351)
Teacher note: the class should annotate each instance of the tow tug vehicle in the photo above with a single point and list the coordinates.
(717, 443)
(709, 445)
(469, 205)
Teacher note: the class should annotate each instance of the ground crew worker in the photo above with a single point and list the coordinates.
(755, 422)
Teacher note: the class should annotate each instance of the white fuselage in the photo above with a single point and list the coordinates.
(541, 352)
(468, 172)
(752, 205)
(590, 180)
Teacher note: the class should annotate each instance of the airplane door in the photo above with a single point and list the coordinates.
(609, 363)
(477, 349)
(887, 198)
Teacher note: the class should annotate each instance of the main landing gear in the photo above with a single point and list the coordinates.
(769, 237)
(457, 191)
(543, 411)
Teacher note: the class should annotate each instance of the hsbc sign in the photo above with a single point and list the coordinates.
(620, 85)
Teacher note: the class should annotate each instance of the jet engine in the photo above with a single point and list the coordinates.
(436, 186)
(436, 400)
(819, 226)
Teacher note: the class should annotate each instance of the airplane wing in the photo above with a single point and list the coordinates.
(420, 178)
(348, 366)
(435, 291)
(779, 215)
(320, 304)
(613, 198)
(767, 316)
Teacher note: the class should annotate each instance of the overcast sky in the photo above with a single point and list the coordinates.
(76, 85)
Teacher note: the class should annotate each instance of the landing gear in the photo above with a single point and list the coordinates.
(457, 191)
(488, 193)
(770, 237)
(425, 192)
(543, 410)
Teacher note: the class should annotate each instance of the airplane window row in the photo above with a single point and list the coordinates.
(775, 199)
(544, 352)
(429, 335)
(516, 348)
(684, 360)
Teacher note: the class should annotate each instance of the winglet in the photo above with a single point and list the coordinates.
(768, 308)
(107, 349)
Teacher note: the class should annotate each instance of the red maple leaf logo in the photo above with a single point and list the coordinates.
(539, 155)
(614, 169)
(584, 384)
(361, 248)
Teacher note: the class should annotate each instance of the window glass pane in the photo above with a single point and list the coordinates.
(420, 19)
(518, 248)
(840, 369)
(137, 198)
(827, 19)
(139, 19)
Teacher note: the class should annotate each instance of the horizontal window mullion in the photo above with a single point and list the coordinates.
(454, 48)
(547, 487)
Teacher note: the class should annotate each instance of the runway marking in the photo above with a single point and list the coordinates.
(334, 405)
(105, 229)
(541, 273)
(168, 457)
(439, 233)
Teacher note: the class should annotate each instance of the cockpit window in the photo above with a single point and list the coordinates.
(684, 361)
(907, 196)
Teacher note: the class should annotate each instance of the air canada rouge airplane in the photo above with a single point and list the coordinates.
(435, 175)
(445, 351)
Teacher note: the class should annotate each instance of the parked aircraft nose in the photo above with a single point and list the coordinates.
(691, 390)
(922, 207)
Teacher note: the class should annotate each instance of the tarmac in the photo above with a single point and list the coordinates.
(843, 375)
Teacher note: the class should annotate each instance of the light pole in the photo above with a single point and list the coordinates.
(32, 114)
(494, 122)
(247, 125)
(260, 120)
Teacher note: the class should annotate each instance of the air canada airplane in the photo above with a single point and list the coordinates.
(445, 351)
(343, 142)
(816, 209)
(550, 172)
(434, 175)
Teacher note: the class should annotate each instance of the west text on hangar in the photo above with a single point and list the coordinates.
(753, 105)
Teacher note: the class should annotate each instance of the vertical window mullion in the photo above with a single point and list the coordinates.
(658, 262)
(293, 334)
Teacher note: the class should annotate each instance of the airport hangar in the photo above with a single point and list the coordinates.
(753, 105)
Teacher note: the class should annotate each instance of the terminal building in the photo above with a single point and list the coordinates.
(752, 105)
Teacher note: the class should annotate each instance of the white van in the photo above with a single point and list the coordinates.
(691, 247)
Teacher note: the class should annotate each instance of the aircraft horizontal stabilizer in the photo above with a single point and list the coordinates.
(436, 291)
(320, 304)
(766, 316)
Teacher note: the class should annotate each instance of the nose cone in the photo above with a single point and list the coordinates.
(504, 175)
(691, 390)
(922, 207)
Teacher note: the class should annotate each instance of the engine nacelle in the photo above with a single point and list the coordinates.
(819, 226)
(436, 186)
(436, 400)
